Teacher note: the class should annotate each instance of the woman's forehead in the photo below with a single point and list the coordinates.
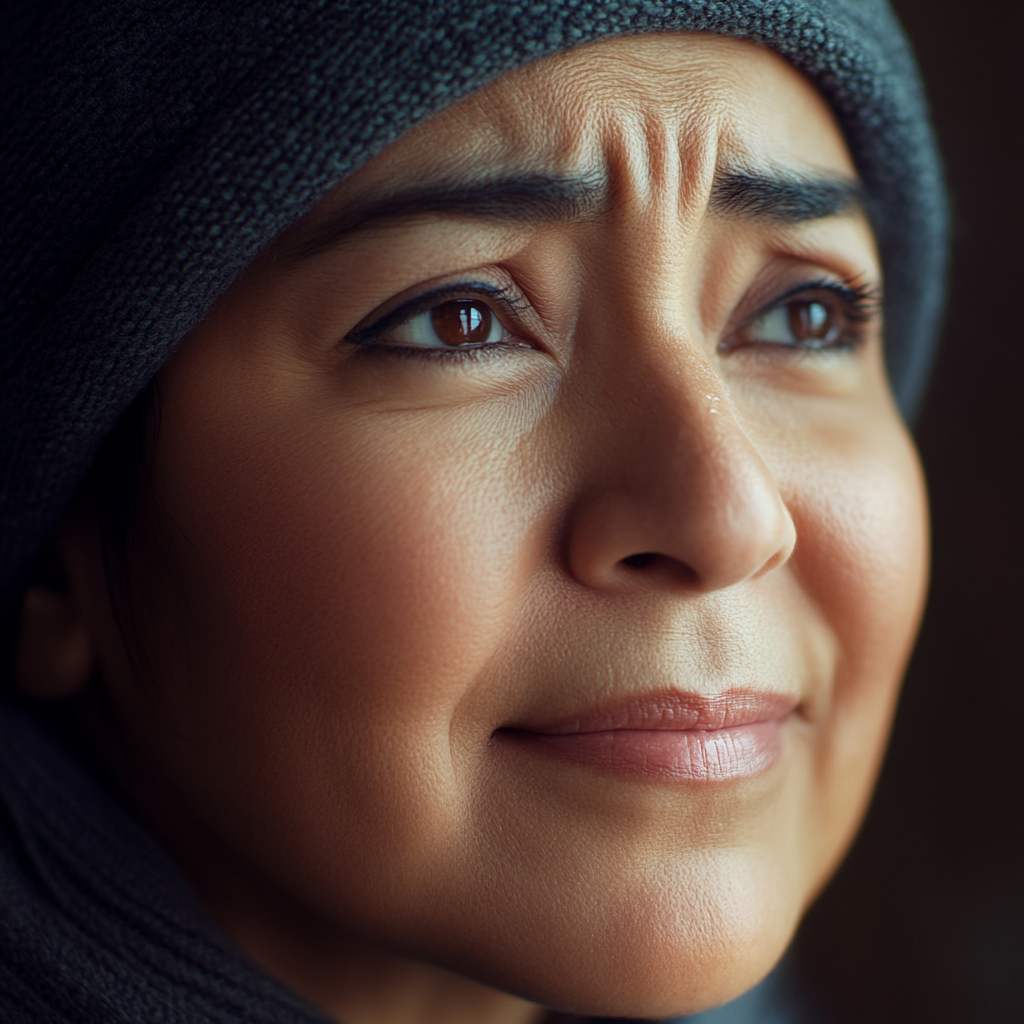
(640, 108)
(705, 123)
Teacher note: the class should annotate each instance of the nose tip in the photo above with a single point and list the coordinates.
(708, 518)
(740, 528)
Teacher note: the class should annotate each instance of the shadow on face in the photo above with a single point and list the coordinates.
(539, 552)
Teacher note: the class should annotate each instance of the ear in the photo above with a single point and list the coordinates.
(55, 655)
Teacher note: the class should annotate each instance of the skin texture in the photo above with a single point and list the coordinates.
(359, 564)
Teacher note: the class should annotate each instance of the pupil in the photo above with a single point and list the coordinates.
(810, 320)
(461, 322)
(817, 315)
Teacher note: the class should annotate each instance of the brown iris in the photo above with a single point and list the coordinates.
(462, 322)
(812, 320)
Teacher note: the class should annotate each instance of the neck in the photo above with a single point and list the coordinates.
(354, 981)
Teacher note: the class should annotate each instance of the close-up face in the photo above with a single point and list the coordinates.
(533, 548)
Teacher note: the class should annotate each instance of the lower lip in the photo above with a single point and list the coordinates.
(683, 755)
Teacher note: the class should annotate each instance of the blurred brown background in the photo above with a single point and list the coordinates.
(925, 922)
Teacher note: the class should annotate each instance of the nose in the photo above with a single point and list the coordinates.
(675, 492)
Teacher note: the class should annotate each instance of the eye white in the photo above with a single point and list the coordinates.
(773, 327)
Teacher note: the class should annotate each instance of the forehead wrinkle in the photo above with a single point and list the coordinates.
(661, 162)
(642, 133)
(665, 181)
(655, 157)
(699, 144)
(508, 117)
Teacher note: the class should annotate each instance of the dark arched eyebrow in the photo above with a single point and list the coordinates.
(530, 198)
(786, 197)
(777, 196)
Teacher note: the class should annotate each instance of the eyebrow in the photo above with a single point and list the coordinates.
(530, 198)
(786, 197)
(775, 196)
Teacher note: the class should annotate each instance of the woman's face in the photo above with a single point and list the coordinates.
(541, 547)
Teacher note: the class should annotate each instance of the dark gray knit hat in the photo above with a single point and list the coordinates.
(150, 148)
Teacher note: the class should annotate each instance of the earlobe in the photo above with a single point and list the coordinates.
(56, 656)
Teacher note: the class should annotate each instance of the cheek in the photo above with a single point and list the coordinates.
(379, 559)
(862, 558)
(345, 580)
(862, 554)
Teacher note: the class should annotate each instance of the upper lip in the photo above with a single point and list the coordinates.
(673, 711)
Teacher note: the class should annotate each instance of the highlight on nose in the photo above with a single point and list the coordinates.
(713, 519)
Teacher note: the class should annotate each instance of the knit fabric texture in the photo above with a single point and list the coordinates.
(151, 148)
(96, 925)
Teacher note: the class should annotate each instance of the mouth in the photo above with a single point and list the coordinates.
(669, 737)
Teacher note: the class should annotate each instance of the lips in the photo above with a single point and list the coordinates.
(671, 737)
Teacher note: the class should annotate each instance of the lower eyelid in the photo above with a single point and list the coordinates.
(442, 356)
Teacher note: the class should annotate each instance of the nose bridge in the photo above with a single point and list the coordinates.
(645, 351)
(676, 434)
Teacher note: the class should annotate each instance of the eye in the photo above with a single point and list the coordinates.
(451, 324)
(441, 323)
(810, 323)
(817, 317)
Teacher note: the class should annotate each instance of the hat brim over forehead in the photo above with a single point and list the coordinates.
(152, 147)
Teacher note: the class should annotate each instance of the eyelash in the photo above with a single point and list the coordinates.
(860, 302)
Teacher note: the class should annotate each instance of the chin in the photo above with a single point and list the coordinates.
(622, 981)
(677, 954)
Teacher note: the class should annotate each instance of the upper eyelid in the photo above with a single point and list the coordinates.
(866, 298)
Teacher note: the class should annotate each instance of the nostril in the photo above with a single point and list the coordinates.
(655, 565)
(641, 561)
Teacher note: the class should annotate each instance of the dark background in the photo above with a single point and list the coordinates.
(925, 921)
